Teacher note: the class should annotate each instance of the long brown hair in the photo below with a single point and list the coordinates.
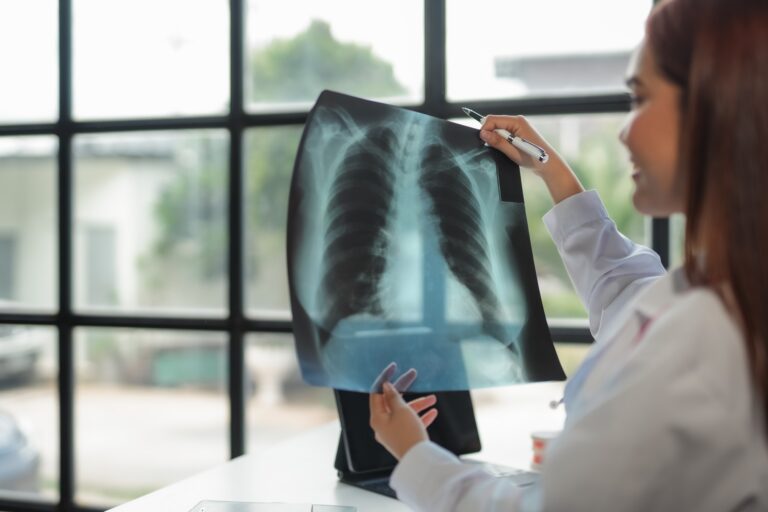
(716, 51)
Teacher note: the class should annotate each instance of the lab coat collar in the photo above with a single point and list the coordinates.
(649, 303)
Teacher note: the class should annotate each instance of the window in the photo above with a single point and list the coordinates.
(7, 266)
(127, 379)
(30, 456)
(583, 50)
(28, 223)
(28, 60)
(297, 48)
(142, 58)
(146, 151)
(100, 262)
(152, 207)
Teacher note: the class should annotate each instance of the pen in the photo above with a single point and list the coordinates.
(520, 143)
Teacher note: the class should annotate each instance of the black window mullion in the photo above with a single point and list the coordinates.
(236, 352)
(434, 56)
(65, 325)
(554, 105)
(660, 239)
(570, 334)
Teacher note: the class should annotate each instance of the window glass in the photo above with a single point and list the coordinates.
(151, 408)
(29, 60)
(29, 416)
(144, 58)
(571, 355)
(151, 222)
(297, 48)
(269, 166)
(512, 49)
(280, 405)
(28, 213)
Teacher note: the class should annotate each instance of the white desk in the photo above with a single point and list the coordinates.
(301, 470)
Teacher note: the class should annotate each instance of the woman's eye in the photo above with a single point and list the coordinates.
(635, 100)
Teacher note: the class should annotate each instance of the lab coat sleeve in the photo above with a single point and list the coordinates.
(429, 478)
(606, 268)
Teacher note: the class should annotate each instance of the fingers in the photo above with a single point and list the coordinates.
(512, 124)
(392, 397)
(401, 384)
(429, 417)
(405, 380)
(498, 142)
(518, 126)
(377, 404)
(384, 376)
(420, 404)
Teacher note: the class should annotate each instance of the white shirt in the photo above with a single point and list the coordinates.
(662, 415)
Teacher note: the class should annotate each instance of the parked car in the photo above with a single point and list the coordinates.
(19, 460)
(20, 348)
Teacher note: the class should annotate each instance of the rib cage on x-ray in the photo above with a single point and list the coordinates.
(354, 255)
(357, 213)
(407, 241)
(462, 241)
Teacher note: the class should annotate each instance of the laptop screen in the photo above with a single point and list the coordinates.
(454, 429)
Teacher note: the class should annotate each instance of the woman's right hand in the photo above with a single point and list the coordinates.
(518, 126)
(557, 175)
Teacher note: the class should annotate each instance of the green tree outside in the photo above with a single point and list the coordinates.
(297, 68)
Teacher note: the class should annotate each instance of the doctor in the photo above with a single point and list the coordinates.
(668, 411)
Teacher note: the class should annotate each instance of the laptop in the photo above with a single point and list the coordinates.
(361, 461)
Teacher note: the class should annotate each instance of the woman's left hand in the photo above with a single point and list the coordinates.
(397, 424)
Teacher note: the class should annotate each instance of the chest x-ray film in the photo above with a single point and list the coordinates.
(407, 242)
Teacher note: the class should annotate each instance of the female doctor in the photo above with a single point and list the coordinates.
(668, 410)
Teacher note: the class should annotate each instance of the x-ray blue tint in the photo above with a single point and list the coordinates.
(401, 249)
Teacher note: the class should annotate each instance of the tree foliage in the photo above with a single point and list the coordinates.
(294, 69)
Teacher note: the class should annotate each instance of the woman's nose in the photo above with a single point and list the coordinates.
(624, 130)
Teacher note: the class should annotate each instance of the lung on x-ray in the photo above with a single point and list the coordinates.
(408, 243)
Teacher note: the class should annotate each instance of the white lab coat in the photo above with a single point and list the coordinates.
(662, 415)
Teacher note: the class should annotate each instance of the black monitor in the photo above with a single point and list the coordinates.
(362, 461)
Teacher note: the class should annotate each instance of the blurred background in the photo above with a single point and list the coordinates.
(146, 151)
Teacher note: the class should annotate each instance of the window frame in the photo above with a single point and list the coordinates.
(236, 324)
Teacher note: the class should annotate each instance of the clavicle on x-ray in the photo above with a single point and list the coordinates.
(408, 243)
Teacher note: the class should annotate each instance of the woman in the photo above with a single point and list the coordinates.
(668, 411)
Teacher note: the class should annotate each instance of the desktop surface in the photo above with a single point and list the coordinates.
(300, 470)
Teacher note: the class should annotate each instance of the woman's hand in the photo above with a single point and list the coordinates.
(557, 175)
(397, 425)
(518, 126)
